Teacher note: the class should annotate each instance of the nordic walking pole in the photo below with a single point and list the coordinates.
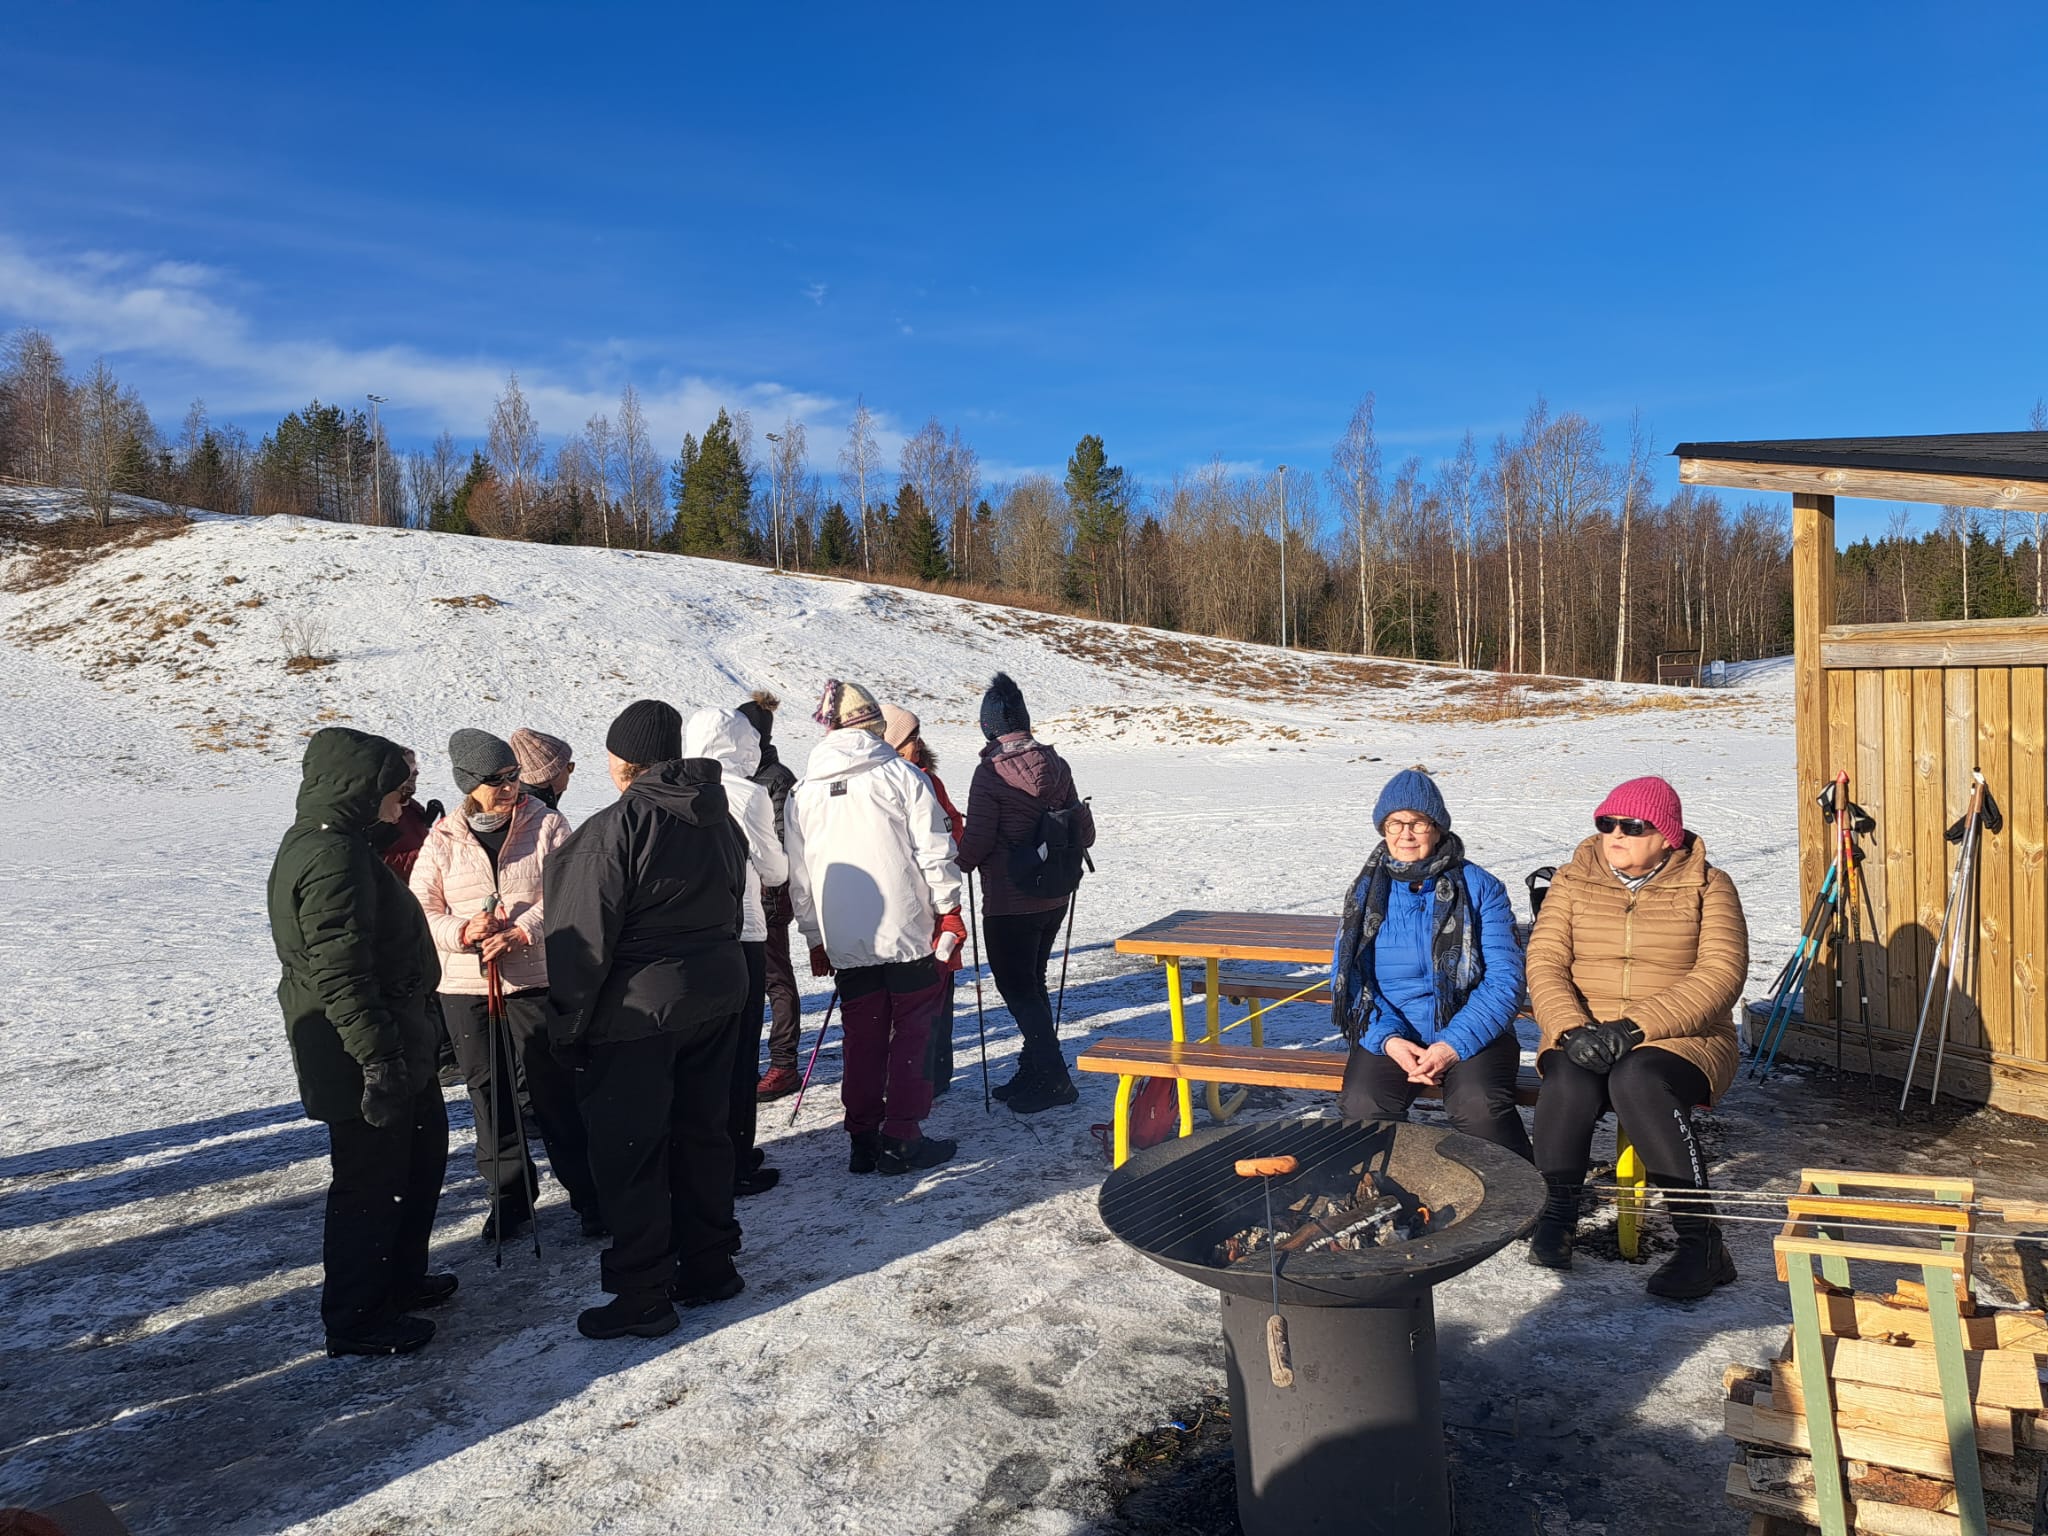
(804, 1086)
(1963, 941)
(491, 1089)
(1060, 1011)
(980, 1018)
(501, 1032)
(1793, 984)
(1942, 937)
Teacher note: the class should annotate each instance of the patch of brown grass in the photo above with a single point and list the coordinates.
(1513, 706)
(474, 600)
(297, 664)
(58, 550)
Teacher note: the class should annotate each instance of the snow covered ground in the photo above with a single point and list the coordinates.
(955, 1354)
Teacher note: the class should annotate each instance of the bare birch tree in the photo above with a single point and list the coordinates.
(1354, 477)
(516, 455)
(601, 460)
(1635, 487)
(639, 471)
(860, 463)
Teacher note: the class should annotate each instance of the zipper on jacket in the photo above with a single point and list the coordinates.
(1628, 947)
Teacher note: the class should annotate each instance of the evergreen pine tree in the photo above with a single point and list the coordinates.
(924, 547)
(835, 538)
(1099, 497)
(716, 494)
(454, 517)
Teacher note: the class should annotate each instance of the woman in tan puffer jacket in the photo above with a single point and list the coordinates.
(478, 878)
(1635, 969)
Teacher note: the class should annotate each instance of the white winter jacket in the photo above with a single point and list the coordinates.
(729, 739)
(871, 856)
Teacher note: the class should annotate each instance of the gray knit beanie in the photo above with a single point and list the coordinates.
(478, 755)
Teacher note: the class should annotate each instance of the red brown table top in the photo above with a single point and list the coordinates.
(1283, 936)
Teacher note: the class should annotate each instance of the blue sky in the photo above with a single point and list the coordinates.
(1200, 231)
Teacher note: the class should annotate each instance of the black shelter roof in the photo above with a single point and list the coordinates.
(1992, 455)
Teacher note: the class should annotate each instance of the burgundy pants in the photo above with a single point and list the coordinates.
(889, 1012)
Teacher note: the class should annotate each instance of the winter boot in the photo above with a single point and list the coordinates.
(1049, 1090)
(867, 1151)
(638, 1314)
(591, 1223)
(516, 1219)
(429, 1291)
(777, 1083)
(398, 1335)
(758, 1182)
(925, 1152)
(1019, 1081)
(1550, 1244)
(1702, 1261)
(702, 1288)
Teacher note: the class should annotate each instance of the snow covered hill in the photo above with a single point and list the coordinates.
(953, 1355)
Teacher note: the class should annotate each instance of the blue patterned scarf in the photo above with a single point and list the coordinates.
(1453, 945)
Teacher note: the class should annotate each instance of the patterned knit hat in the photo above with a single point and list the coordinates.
(848, 707)
(1651, 800)
(542, 758)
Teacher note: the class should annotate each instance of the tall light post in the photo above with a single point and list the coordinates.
(775, 497)
(1280, 475)
(376, 462)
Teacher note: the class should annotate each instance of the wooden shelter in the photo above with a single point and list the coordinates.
(1909, 710)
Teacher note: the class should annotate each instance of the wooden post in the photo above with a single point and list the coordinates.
(1813, 609)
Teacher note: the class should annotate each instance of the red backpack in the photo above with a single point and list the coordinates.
(1155, 1115)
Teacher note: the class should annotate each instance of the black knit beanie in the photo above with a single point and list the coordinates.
(1002, 709)
(647, 731)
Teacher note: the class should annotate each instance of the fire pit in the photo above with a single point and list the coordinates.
(1355, 1444)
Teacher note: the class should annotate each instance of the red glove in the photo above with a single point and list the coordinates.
(821, 963)
(950, 922)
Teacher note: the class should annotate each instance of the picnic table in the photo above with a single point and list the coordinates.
(1213, 937)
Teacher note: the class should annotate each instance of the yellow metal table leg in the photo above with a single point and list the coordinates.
(1120, 1122)
(1630, 1174)
(1177, 1013)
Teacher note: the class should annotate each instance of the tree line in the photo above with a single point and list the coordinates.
(1543, 551)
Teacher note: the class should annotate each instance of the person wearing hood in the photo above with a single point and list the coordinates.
(357, 963)
(785, 1023)
(875, 882)
(904, 732)
(1636, 966)
(728, 738)
(545, 763)
(1016, 782)
(1427, 976)
(645, 981)
(398, 843)
(479, 881)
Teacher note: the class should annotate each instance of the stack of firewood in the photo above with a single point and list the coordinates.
(1890, 1421)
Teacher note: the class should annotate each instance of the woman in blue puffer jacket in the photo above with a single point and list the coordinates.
(1427, 977)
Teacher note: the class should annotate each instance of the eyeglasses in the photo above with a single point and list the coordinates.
(1627, 826)
(502, 780)
(1404, 826)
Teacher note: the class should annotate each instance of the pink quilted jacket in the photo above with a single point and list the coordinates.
(452, 880)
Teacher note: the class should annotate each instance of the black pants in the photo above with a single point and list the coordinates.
(1652, 1091)
(1020, 947)
(938, 1047)
(656, 1113)
(785, 1032)
(742, 1115)
(1479, 1093)
(381, 1200)
(523, 1061)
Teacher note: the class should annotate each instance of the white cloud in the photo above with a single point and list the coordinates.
(171, 312)
(815, 292)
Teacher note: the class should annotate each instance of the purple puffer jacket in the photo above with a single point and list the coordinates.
(1016, 781)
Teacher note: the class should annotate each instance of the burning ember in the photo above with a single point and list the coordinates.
(1361, 1212)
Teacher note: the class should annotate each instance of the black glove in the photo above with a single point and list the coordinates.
(1597, 1047)
(386, 1093)
(434, 812)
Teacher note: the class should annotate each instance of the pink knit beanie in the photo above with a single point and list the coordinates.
(542, 758)
(1651, 800)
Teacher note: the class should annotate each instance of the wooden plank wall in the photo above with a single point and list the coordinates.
(1910, 740)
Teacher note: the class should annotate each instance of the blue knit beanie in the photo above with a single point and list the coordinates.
(1415, 791)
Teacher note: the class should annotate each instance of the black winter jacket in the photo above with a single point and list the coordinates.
(644, 903)
(357, 954)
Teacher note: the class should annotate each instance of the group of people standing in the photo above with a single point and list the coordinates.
(612, 979)
(1634, 967)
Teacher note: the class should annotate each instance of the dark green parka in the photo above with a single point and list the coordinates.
(358, 956)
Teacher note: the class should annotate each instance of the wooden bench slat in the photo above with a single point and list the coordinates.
(1255, 1066)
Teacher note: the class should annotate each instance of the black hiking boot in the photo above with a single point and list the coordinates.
(759, 1182)
(1550, 1244)
(704, 1289)
(867, 1151)
(399, 1335)
(639, 1316)
(1008, 1091)
(517, 1223)
(431, 1291)
(591, 1224)
(1048, 1092)
(925, 1152)
(1702, 1262)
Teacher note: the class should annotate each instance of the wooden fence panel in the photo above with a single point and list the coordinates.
(1958, 758)
(1841, 753)
(1929, 866)
(2028, 823)
(1994, 930)
(1896, 834)
(1866, 788)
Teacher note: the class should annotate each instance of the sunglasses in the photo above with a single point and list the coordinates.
(1627, 826)
(503, 780)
